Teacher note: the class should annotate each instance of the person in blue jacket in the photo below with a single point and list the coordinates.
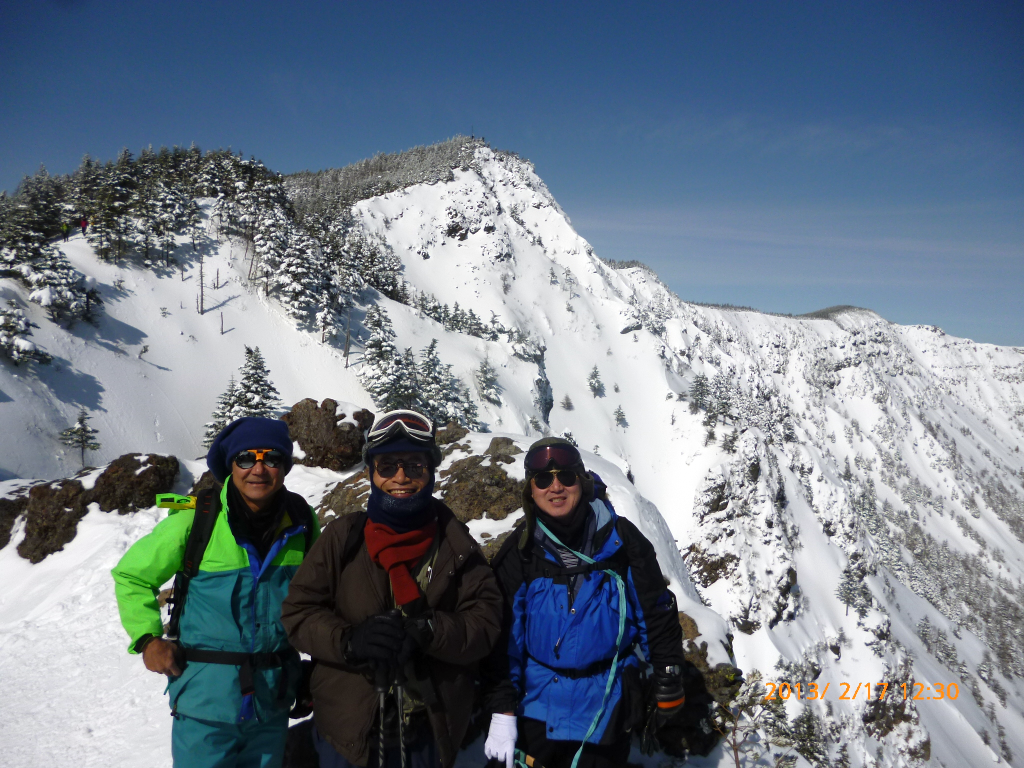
(587, 613)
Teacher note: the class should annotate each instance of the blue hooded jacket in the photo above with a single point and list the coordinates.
(561, 626)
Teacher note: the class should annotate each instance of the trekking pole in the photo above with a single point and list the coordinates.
(380, 674)
(400, 699)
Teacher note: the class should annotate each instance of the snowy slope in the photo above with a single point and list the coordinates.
(162, 399)
(930, 508)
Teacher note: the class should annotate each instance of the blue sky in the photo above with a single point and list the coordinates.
(787, 156)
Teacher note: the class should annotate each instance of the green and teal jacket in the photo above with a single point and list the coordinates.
(233, 605)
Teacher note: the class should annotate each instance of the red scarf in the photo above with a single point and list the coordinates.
(396, 553)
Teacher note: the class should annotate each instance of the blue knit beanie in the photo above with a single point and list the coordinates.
(242, 434)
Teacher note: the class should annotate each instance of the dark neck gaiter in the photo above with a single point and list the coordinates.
(402, 515)
(258, 528)
(568, 529)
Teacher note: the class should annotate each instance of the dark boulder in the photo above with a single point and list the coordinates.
(473, 488)
(451, 433)
(10, 509)
(129, 483)
(206, 480)
(324, 435)
(54, 509)
(346, 497)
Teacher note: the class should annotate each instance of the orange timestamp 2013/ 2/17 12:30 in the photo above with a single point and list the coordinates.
(812, 691)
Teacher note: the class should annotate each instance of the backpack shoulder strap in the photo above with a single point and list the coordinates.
(356, 535)
(207, 508)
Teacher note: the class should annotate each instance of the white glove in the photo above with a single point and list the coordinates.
(501, 739)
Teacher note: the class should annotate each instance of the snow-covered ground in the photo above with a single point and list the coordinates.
(930, 500)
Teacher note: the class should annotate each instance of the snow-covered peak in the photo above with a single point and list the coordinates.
(847, 492)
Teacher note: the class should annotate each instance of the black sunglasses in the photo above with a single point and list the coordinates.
(270, 457)
(566, 477)
(413, 469)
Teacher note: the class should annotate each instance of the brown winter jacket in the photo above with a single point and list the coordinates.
(325, 602)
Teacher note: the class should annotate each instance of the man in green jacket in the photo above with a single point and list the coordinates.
(232, 673)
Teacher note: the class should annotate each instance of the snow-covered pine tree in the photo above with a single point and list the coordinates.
(443, 396)
(567, 403)
(143, 233)
(15, 328)
(852, 591)
(298, 276)
(467, 413)
(388, 376)
(256, 395)
(438, 394)
(809, 738)
(700, 393)
(227, 410)
(377, 264)
(567, 435)
(486, 378)
(620, 417)
(65, 293)
(81, 435)
(325, 317)
(709, 435)
(721, 398)
(847, 473)
(729, 442)
(595, 383)
(171, 210)
(404, 391)
(118, 191)
(754, 724)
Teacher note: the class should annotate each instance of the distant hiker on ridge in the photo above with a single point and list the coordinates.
(400, 601)
(583, 592)
(232, 674)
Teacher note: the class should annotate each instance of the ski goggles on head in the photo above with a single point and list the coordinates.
(414, 470)
(271, 458)
(566, 477)
(415, 425)
(560, 454)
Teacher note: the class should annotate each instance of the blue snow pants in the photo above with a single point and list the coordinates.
(204, 744)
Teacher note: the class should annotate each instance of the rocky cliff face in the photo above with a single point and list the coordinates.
(53, 509)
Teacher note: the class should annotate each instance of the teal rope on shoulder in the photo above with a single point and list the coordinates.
(618, 642)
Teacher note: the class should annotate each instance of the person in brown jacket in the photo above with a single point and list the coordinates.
(396, 606)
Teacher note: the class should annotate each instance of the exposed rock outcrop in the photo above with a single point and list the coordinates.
(345, 498)
(325, 435)
(473, 488)
(54, 509)
(10, 509)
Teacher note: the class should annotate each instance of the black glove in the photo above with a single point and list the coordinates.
(419, 633)
(378, 639)
(669, 696)
(303, 697)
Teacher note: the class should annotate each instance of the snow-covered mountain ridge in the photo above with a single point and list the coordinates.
(871, 461)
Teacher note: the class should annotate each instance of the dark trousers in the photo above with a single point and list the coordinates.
(533, 741)
(421, 753)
